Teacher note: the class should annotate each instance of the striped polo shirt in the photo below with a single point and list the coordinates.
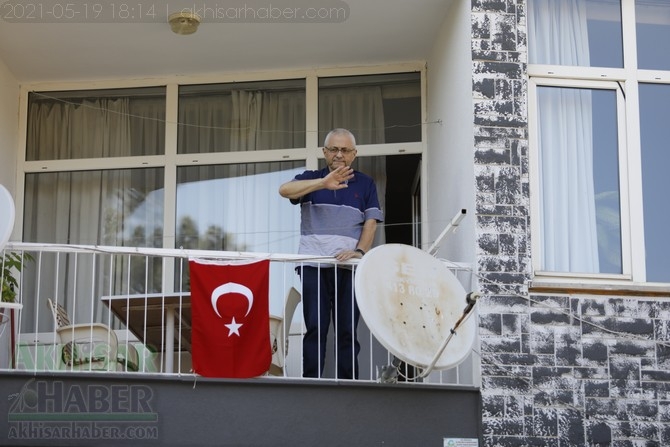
(332, 221)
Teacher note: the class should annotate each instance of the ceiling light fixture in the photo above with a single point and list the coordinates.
(184, 22)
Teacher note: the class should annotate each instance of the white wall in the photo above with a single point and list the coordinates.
(9, 124)
(449, 158)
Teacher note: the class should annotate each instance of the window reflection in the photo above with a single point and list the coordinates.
(237, 207)
(654, 111)
(118, 207)
(653, 27)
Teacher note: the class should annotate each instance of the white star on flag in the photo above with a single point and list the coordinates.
(233, 327)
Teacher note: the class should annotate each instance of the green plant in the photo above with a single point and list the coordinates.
(12, 263)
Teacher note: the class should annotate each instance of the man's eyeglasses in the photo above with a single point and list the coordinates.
(344, 150)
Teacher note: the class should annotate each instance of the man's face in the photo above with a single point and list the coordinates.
(342, 157)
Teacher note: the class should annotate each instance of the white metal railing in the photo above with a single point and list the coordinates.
(128, 312)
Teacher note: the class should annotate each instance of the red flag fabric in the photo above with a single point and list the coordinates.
(230, 334)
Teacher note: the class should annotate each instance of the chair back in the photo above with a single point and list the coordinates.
(280, 328)
(61, 318)
(95, 337)
(125, 355)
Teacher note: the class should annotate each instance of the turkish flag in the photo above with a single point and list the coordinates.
(230, 334)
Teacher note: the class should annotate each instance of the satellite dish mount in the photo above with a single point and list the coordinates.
(412, 304)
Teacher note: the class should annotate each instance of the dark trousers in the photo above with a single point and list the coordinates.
(328, 292)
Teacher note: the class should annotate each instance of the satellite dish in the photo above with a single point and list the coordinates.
(7, 213)
(411, 302)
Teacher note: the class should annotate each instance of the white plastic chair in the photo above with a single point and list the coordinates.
(279, 331)
(90, 346)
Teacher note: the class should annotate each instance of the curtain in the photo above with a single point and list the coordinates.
(361, 110)
(558, 35)
(92, 128)
(241, 120)
(266, 120)
(557, 32)
(247, 133)
(147, 126)
(204, 124)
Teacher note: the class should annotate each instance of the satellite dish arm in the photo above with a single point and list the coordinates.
(471, 299)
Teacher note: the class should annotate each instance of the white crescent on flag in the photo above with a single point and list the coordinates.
(232, 287)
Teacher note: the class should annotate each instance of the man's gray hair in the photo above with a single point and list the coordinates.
(339, 131)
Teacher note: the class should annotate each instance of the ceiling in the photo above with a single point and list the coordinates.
(373, 32)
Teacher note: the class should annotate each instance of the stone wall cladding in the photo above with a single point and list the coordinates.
(557, 370)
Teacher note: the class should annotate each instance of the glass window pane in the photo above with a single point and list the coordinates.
(654, 112)
(237, 207)
(580, 215)
(244, 116)
(653, 27)
(375, 108)
(583, 33)
(95, 124)
(112, 207)
(115, 207)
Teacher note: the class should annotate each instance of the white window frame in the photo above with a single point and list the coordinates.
(171, 160)
(630, 162)
(534, 170)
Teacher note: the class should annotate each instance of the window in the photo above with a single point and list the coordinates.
(597, 137)
(376, 108)
(94, 204)
(584, 33)
(652, 27)
(111, 167)
(95, 123)
(654, 111)
(243, 116)
(233, 207)
(580, 220)
(118, 207)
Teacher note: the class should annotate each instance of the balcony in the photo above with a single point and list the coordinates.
(116, 317)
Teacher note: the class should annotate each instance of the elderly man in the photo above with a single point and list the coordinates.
(339, 215)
